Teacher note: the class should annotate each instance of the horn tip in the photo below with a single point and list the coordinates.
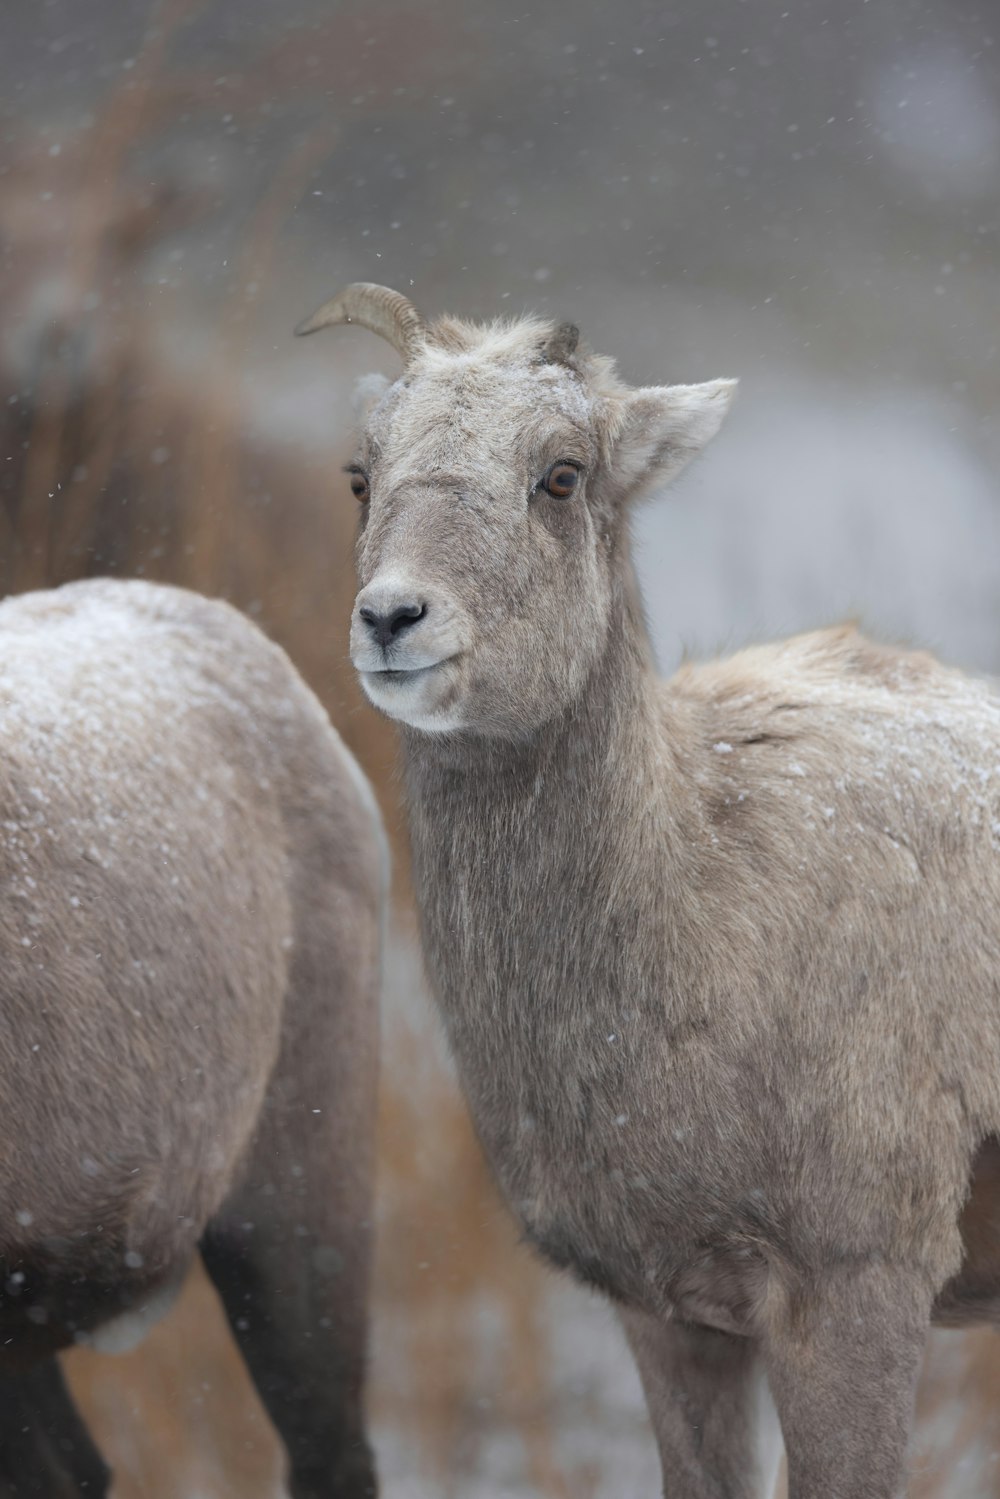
(315, 321)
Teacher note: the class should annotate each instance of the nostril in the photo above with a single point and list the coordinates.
(386, 626)
(405, 616)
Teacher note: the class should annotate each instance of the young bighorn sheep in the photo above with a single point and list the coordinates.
(192, 875)
(719, 957)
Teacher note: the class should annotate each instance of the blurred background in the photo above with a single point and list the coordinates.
(803, 193)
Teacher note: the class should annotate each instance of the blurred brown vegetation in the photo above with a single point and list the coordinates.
(116, 461)
(117, 465)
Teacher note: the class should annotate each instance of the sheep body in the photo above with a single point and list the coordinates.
(192, 867)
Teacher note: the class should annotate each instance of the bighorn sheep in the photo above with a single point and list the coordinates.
(719, 957)
(192, 873)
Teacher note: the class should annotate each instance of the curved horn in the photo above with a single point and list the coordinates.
(378, 308)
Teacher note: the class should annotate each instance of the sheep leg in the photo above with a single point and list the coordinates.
(45, 1448)
(288, 1257)
(843, 1362)
(709, 1405)
(289, 1253)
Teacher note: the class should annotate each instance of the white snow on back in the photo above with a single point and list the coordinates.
(118, 703)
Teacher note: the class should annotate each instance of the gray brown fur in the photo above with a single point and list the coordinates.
(719, 956)
(193, 881)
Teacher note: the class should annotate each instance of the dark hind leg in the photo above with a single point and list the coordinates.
(289, 1253)
(973, 1295)
(46, 1452)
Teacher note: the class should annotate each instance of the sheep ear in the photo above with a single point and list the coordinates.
(662, 427)
(368, 391)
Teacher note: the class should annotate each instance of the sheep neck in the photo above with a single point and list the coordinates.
(537, 871)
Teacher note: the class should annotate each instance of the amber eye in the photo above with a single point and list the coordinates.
(561, 480)
(359, 484)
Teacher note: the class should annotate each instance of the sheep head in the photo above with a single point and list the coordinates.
(495, 477)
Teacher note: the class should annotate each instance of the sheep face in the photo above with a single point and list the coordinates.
(494, 478)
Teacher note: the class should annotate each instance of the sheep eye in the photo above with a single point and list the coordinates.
(561, 480)
(359, 484)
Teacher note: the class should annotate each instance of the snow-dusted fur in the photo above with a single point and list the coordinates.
(719, 957)
(192, 883)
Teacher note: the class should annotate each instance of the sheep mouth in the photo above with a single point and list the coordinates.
(424, 697)
(405, 674)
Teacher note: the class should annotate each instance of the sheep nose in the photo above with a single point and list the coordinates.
(386, 625)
